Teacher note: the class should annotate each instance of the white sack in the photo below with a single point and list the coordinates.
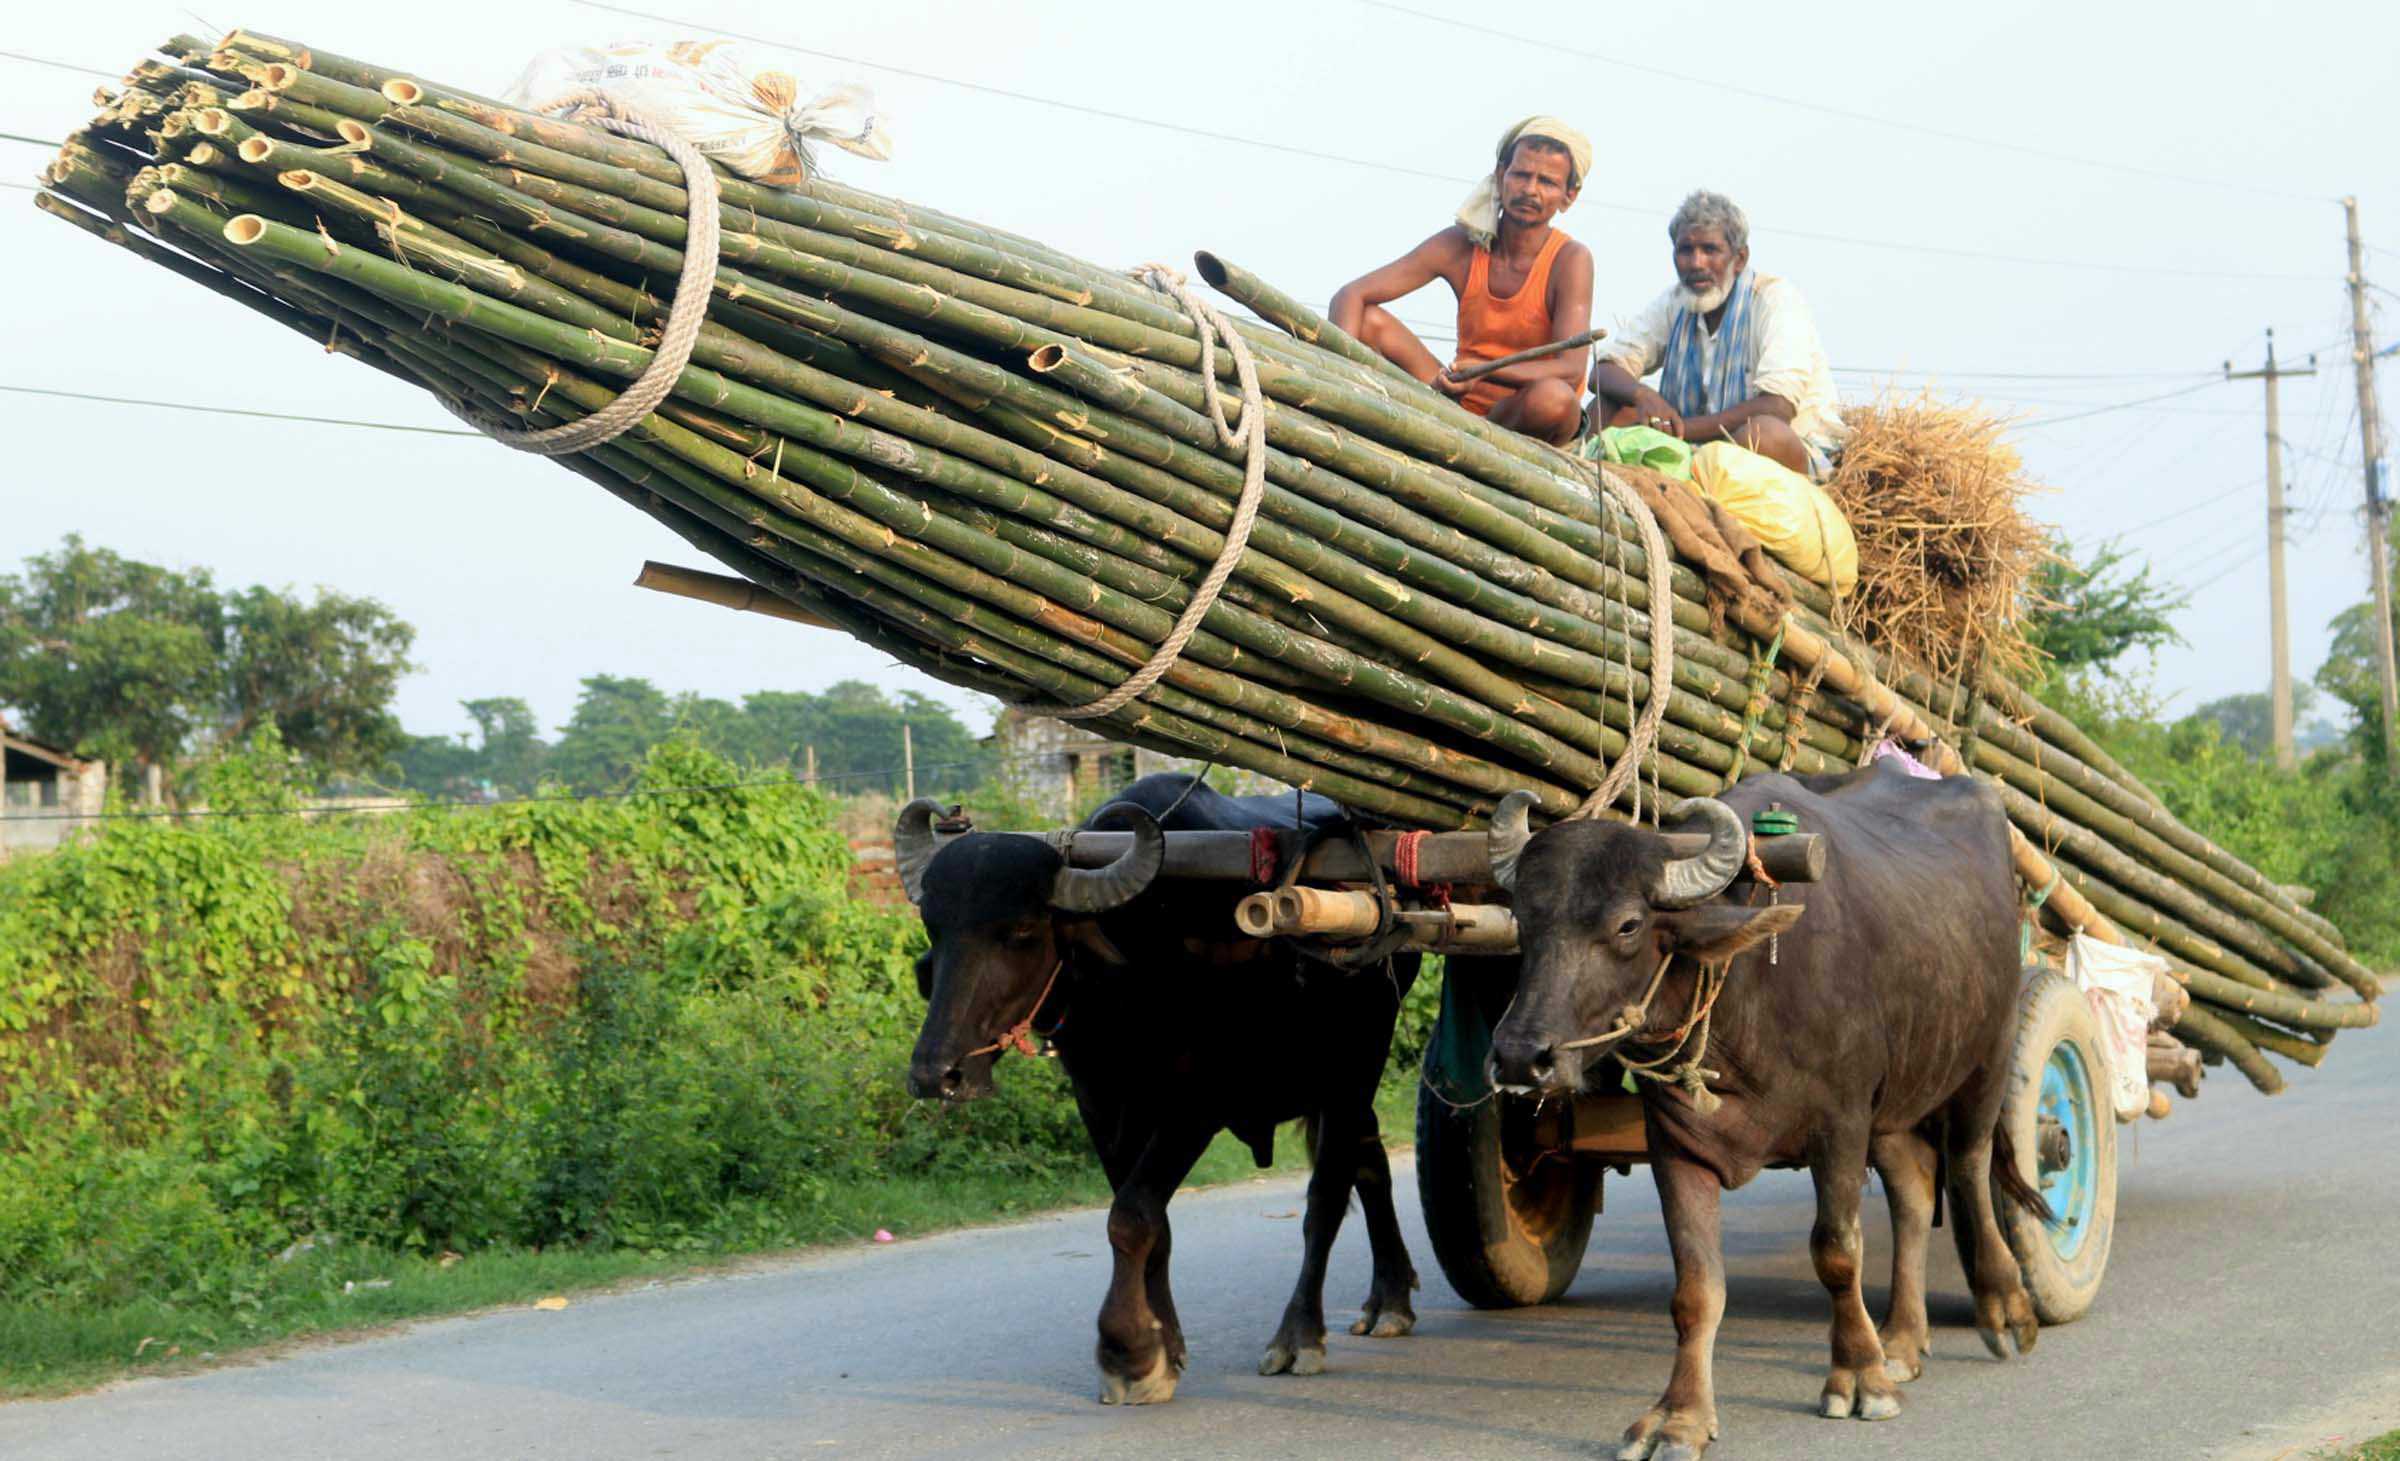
(2116, 982)
(756, 119)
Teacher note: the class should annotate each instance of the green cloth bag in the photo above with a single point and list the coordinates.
(1641, 446)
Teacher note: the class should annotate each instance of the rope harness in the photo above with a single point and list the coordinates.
(1019, 1036)
(685, 314)
(1249, 438)
(1762, 668)
(1666, 1068)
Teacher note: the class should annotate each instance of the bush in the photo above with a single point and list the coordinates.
(653, 1022)
(2325, 825)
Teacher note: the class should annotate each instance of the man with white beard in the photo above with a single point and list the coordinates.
(1736, 352)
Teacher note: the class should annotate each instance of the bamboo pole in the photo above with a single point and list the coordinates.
(726, 591)
(1432, 611)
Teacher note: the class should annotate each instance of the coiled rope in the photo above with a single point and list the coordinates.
(685, 314)
(1249, 438)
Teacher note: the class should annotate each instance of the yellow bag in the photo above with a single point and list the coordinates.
(1791, 515)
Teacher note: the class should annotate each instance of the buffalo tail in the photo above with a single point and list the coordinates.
(2012, 1181)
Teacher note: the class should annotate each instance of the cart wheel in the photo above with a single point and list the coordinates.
(2057, 1113)
(1508, 1225)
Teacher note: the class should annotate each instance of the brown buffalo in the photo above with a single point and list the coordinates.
(1866, 1018)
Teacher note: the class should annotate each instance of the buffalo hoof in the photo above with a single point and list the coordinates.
(1903, 1358)
(1155, 1386)
(1289, 1359)
(1389, 1322)
(2007, 1320)
(1663, 1435)
(1861, 1394)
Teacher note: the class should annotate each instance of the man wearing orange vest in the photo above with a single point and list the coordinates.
(1519, 282)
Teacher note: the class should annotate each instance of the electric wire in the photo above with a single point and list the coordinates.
(1720, 86)
(237, 411)
(1265, 144)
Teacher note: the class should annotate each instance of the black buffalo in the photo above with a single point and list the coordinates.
(1878, 1030)
(1171, 1027)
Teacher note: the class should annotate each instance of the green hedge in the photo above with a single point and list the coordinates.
(655, 1022)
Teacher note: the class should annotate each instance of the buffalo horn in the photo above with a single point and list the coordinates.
(1098, 889)
(1511, 829)
(1687, 880)
(913, 844)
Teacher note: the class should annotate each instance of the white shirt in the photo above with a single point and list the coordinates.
(1786, 358)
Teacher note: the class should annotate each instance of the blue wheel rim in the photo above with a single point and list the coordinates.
(2072, 1188)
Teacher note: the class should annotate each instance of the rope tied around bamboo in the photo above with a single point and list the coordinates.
(685, 316)
(1249, 438)
(1644, 735)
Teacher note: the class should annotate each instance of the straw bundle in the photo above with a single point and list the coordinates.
(1944, 551)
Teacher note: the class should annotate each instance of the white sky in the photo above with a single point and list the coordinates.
(517, 573)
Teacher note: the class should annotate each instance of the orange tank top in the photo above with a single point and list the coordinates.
(1490, 326)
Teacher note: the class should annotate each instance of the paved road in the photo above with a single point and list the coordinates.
(2252, 1310)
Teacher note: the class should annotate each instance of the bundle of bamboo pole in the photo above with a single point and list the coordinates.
(995, 462)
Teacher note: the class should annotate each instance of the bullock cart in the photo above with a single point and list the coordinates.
(1240, 536)
(1510, 1186)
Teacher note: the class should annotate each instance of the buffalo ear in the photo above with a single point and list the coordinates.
(1714, 932)
(1085, 934)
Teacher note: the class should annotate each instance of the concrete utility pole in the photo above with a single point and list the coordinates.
(2279, 631)
(2379, 507)
(908, 759)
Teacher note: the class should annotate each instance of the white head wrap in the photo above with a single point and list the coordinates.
(1480, 214)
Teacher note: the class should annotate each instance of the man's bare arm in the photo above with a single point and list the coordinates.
(1616, 388)
(1721, 425)
(1435, 258)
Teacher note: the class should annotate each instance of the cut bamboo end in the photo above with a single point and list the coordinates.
(1047, 359)
(277, 76)
(254, 150)
(1212, 268)
(213, 121)
(161, 200)
(403, 93)
(724, 590)
(1255, 915)
(242, 232)
(204, 155)
(354, 132)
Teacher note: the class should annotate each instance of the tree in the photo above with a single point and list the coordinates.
(2089, 614)
(512, 753)
(2248, 721)
(322, 672)
(2351, 675)
(133, 662)
(617, 720)
(106, 656)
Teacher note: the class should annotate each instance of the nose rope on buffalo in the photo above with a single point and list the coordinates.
(1019, 1036)
(1664, 1068)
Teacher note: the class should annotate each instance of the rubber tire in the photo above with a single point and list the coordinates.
(1502, 1244)
(2051, 1011)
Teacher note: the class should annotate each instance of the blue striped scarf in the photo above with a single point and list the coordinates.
(1689, 388)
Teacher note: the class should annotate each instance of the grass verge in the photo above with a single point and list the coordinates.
(331, 1292)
